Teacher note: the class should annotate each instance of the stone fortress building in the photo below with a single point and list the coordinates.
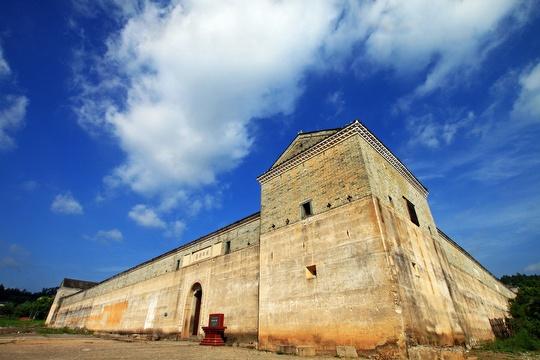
(344, 252)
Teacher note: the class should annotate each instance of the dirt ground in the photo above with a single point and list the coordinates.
(64, 347)
(80, 347)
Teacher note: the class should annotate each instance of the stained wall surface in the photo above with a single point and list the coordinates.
(60, 293)
(153, 297)
(342, 239)
(446, 297)
(329, 178)
(350, 301)
(427, 308)
(357, 271)
(477, 295)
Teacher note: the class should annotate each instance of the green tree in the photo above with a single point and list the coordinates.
(525, 311)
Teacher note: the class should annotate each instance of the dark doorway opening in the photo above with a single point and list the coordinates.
(192, 311)
(197, 312)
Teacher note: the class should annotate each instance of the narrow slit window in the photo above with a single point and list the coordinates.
(306, 209)
(177, 264)
(412, 212)
(311, 272)
(227, 247)
(415, 269)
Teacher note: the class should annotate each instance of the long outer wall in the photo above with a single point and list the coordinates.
(137, 302)
(478, 295)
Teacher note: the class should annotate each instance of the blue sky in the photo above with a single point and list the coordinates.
(129, 128)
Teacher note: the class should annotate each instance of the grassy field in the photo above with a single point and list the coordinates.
(14, 326)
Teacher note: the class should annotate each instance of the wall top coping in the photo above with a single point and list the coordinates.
(224, 229)
(355, 128)
(449, 240)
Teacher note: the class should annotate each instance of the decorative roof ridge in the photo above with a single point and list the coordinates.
(300, 135)
(356, 127)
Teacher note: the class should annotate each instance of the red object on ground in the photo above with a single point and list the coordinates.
(215, 331)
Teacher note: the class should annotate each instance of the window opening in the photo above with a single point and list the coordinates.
(306, 209)
(227, 247)
(412, 212)
(177, 264)
(415, 269)
(311, 272)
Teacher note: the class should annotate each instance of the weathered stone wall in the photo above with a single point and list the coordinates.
(357, 272)
(60, 293)
(424, 299)
(427, 308)
(351, 299)
(387, 184)
(240, 236)
(153, 296)
(478, 296)
(446, 297)
(328, 178)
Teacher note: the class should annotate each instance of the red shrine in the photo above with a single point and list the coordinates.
(215, 331)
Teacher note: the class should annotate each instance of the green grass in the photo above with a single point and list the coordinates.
(520, 342)
(37, 326)
(21, 324)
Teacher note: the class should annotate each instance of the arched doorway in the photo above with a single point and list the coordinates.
(192, 311)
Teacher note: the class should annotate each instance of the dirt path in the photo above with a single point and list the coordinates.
(64, 347)
(80, 347)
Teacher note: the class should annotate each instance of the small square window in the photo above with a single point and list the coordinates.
(311, 272)
(306, 209)
(412, 212)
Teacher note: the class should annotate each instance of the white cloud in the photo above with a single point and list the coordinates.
(4, 66)
(14, 256)
(527, 106)
(533, 268)
(175, 229)
(107, 236)
(337, 102)
(146, 217)
(12, 114)
(496, 145)
(29, 185)
(444, 36)
(12, 109)
(429, 131)
(8, 262)
(198, 73)
(66, 204)
(181, 84)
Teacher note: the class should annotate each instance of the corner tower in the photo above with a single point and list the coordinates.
(345, 230)
(325, 277)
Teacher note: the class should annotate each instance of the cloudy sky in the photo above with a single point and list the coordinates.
(129, 128)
